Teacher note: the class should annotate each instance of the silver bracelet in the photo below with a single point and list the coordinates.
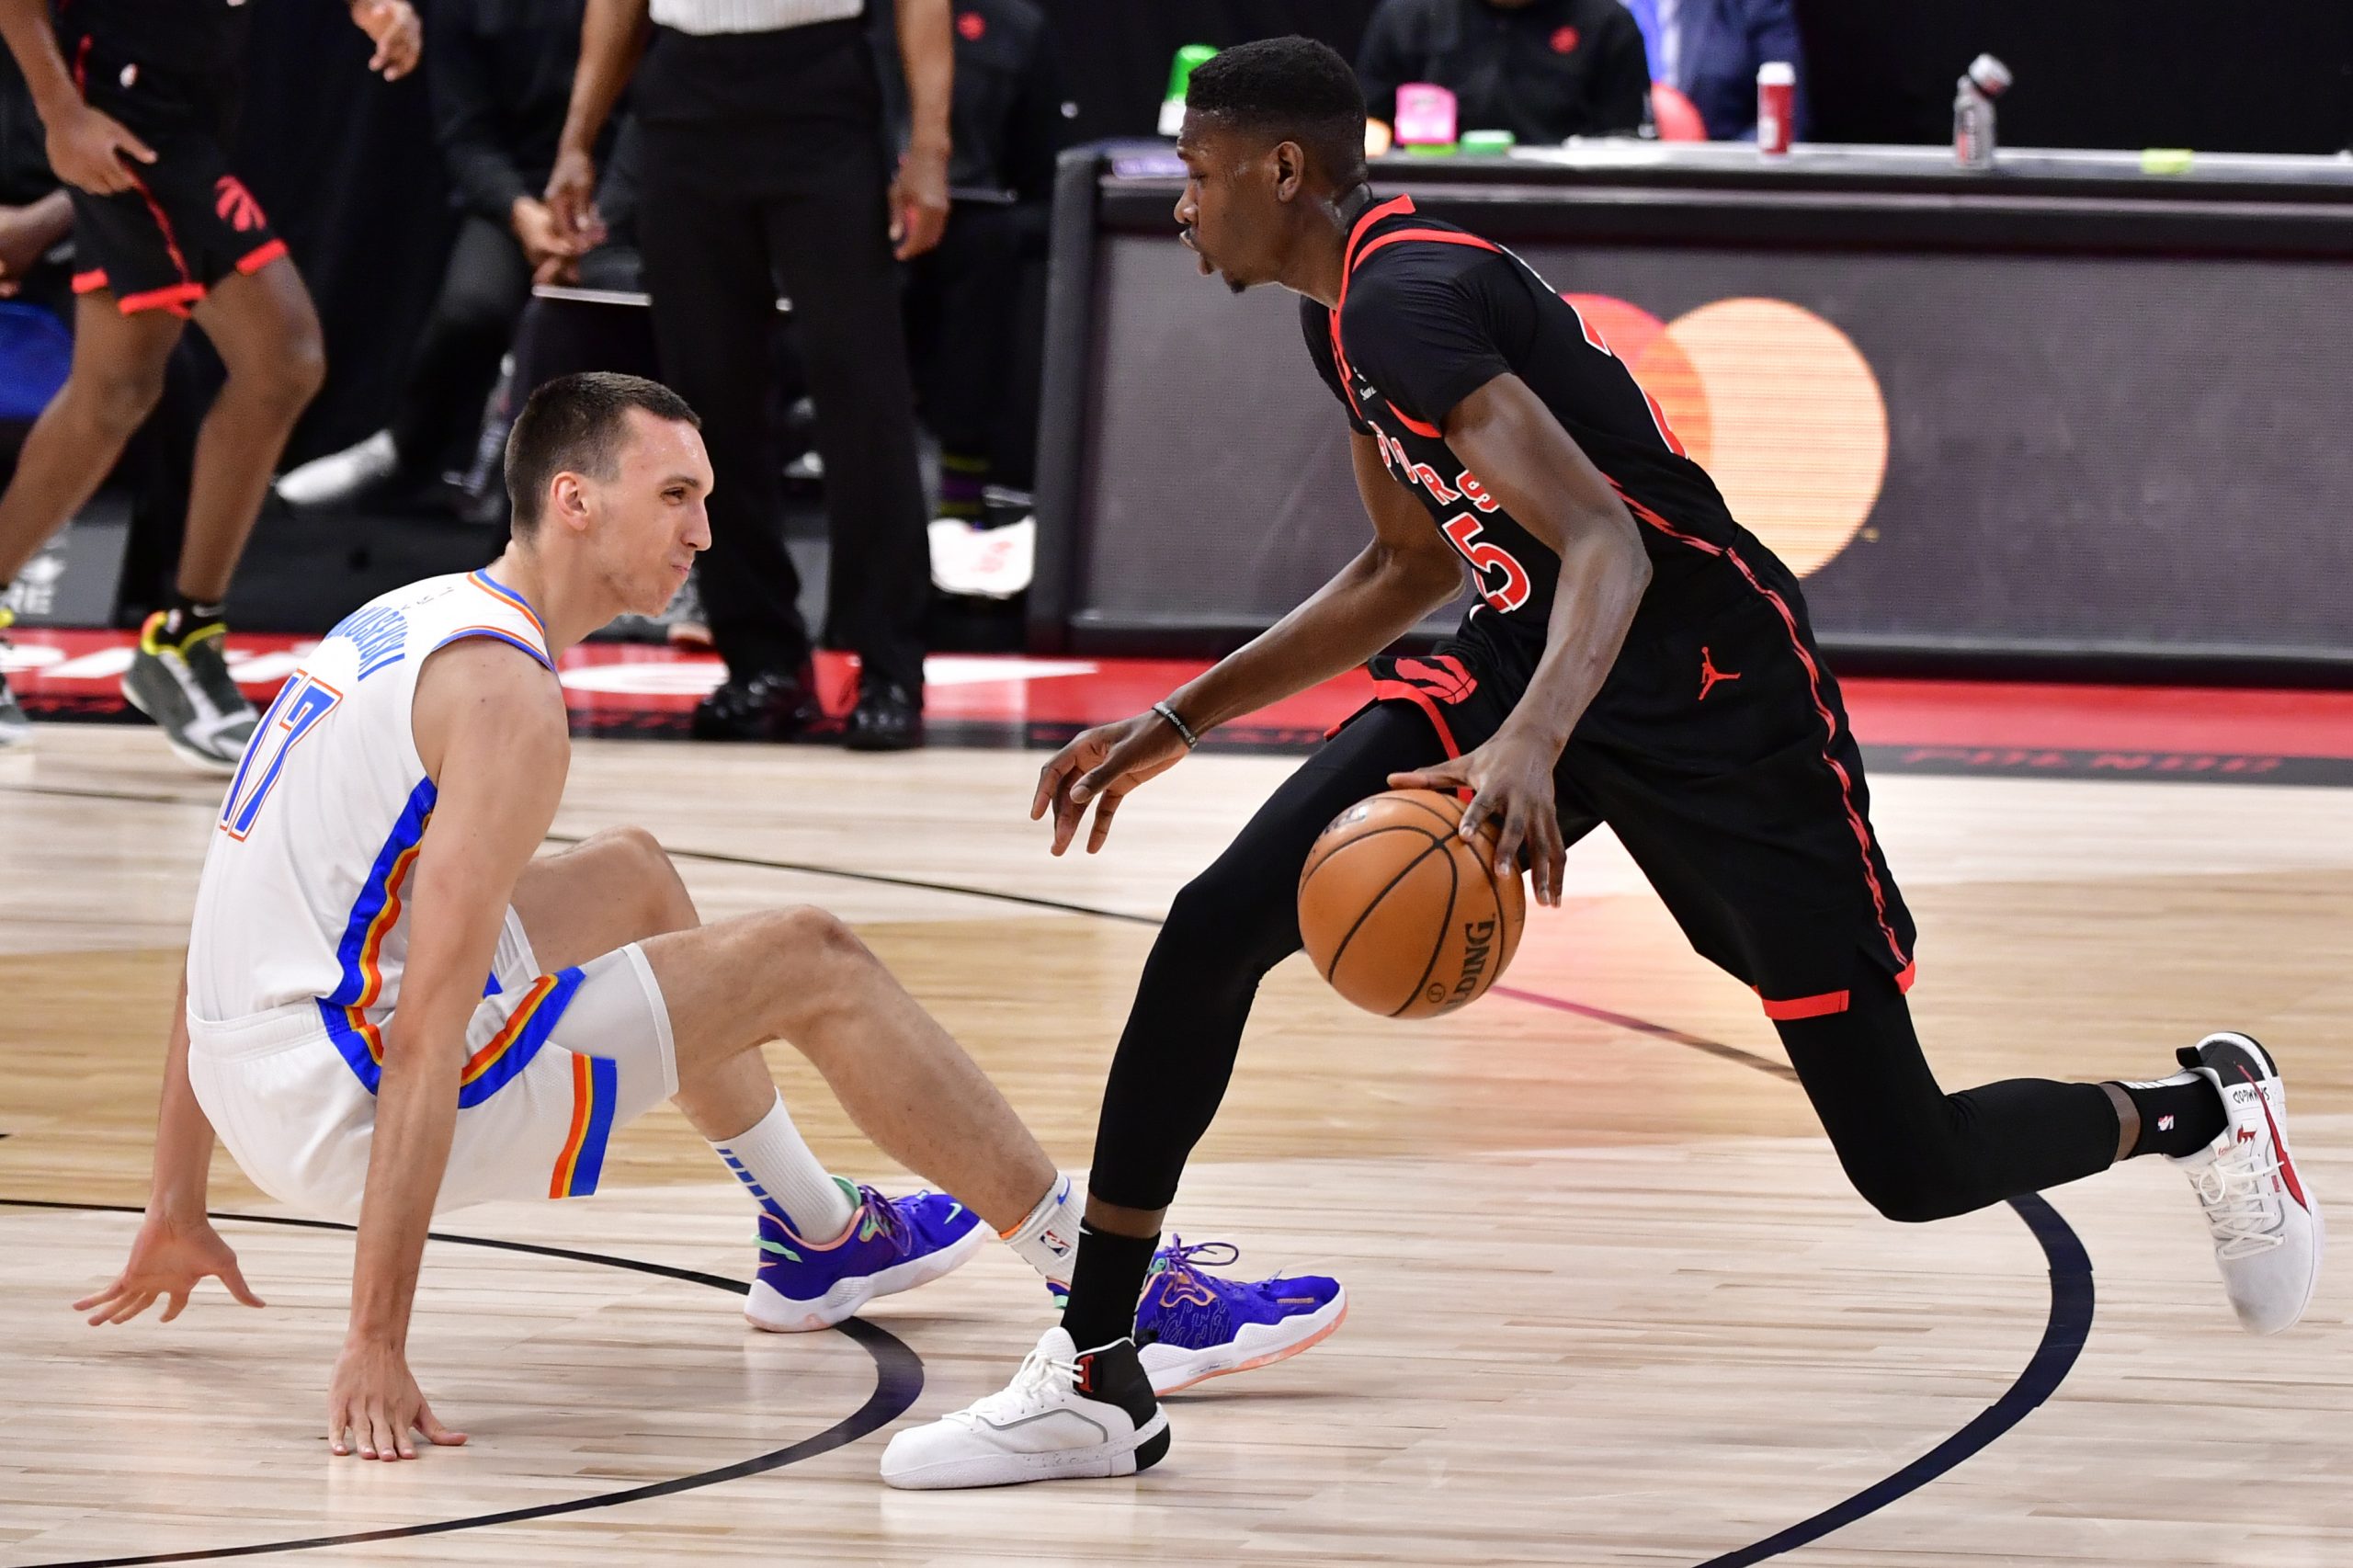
(1184, 731)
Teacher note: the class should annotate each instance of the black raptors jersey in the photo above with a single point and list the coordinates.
(1428, 315)
(183, 36)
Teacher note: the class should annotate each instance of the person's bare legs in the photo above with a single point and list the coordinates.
(801, 976)
(117, 377)
(267, 336)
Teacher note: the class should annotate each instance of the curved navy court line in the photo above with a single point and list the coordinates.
(2064, 1334)
(2062, 1341)
(898, 1381)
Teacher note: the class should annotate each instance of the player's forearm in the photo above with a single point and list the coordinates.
(33, 40)
(51, 218)
(1603, 575)
(612, 35)
(1374, 600)
(927, 54)
(183, 1133)
(416, 1117)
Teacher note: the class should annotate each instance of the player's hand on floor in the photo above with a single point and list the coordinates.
(399, 36)
(168, 1259)
(87, 147)
(1511, 778)
(374, 1406)
(1101, 766)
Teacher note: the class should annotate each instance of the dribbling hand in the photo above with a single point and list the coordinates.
(1512, 781)
(1100, 767)
(168, 1258)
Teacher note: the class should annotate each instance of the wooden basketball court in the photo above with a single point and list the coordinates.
(1613, 1303)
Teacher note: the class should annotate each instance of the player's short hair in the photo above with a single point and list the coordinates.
(576, 425)
(1288, 89)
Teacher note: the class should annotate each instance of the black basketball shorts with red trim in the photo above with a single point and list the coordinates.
(189, 222)
(1718, 751)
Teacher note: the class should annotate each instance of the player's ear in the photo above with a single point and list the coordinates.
(1289, 160)
(567, 501)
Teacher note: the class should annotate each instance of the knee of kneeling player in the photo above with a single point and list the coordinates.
(811, 939)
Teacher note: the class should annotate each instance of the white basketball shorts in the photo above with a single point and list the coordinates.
(555, 1064)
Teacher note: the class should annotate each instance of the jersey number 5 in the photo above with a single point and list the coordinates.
(301, 703)
(1509, 593)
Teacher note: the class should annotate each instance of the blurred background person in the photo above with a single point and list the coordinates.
(499, 74)
(36, 215)
(165, 233)
(1708, 50)
(975, 343)
(1543, 70)
(763, 167)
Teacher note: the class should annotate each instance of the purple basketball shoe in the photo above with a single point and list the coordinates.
(892, 1245)
(1192, 1325)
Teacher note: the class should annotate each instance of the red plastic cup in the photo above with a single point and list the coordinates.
(1777, 103)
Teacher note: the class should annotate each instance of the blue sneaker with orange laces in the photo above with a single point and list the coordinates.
(1192, 1325)
(891, 1245)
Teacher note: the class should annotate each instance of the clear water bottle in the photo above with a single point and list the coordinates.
(1973, 112)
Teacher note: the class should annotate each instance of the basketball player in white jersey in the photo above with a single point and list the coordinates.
(373, 863)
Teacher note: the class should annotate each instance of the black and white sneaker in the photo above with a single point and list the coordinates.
(2265, 1219)
(1066, 1414)
(185, 685)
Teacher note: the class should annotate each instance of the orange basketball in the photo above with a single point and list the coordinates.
(1402, 914)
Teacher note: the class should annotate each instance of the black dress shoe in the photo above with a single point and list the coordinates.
(770, 705)
(889, 718)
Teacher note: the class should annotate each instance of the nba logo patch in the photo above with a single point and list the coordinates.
(2165, 1124)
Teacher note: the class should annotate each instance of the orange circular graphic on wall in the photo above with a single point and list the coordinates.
(1776, 403)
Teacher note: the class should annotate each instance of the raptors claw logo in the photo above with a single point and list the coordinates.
(236, 204)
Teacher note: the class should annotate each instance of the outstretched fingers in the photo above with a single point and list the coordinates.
(234, 1278)
(441, 1436)
(1547, 857)
(1104, 809)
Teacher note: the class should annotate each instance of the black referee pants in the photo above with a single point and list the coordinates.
(1913, 1151)
(483, 289)
(730, 214)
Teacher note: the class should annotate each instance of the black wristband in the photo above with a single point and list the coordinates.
(1184, 731)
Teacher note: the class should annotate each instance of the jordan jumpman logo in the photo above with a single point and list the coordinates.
(1709, 675)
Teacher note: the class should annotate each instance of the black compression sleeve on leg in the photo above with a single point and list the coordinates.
(1919, 1154)
(1106, 1278)
(1230, 926)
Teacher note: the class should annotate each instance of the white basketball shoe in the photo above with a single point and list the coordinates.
(2266, 1222)
(1066, 1415)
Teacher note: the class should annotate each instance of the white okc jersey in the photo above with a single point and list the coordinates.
(303, 902)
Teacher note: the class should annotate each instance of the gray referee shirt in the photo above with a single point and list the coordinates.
(709, 16)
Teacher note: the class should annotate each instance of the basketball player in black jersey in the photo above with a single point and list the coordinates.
(1636, 658)
(136, 96)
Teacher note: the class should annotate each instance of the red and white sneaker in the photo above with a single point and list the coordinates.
(2266, 1222)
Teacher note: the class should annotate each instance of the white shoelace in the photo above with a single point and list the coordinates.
(1042, 1381)
(2239, 1209)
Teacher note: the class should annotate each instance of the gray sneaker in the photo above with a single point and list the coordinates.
(186, 689)
(15, 729)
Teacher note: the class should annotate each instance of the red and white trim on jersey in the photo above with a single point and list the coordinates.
(1860, 828)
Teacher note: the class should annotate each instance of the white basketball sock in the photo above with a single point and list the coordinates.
(785, 1178)
(1047, 1239)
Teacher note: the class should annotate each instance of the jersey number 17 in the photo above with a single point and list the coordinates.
(302, 702)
